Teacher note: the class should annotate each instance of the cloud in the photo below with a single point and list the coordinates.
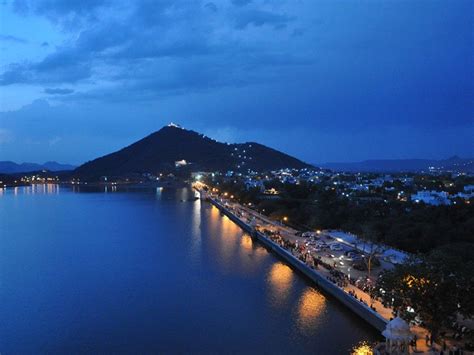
(45, 72)
(5, 136)
(58, 91)
(260, 18)
(53, 141)
(14, 39)
(241, 2)
(70, 14)
(21, 6)
(157, 47)
(211, 6)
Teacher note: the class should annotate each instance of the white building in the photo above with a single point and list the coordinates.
(469, 188)
(434, 198)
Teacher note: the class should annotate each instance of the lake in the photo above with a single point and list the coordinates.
(140, 271)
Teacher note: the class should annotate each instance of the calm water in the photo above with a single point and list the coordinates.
(141, 271)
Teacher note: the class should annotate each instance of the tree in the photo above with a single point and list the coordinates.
(457, 261)
(369, 238)
(427, 287)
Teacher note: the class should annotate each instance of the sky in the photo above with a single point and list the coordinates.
(335, 80)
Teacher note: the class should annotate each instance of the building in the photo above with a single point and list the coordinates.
(434, 198)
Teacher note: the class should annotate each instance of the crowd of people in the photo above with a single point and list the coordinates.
(336, 277)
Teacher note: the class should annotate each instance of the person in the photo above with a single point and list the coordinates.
(415, 339)
(427, 339)
(444, 345)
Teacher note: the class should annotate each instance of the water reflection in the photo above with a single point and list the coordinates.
(159, 190)
(195, 245)
(226, 240)
(280, 278)
(44, 189)
(236, 251)
(246, 243)
(310, 307)
(251, 254)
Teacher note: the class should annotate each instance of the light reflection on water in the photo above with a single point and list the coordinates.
(237, 252)
(310, 307)
(34, 189)
(196, 239)
(225, 240)
(280, 278)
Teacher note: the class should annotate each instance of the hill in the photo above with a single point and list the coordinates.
(9, 167)
(454, 164)
(173, 145)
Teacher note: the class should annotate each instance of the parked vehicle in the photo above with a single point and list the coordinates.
(336, 247)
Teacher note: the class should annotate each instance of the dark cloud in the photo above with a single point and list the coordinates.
(297, 32)
(153, 33)
(56, 8)
(260, 17)
(53, 70)
(14, 39)
(69, 14)
(211, 6)
(21, 6)
(58, 91)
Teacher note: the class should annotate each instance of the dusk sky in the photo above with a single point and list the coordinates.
(322, 80)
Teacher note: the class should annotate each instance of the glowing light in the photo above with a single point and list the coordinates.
(281, 278)
(310, 307)
(362, 348)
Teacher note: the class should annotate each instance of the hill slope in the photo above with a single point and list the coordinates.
(160, 150)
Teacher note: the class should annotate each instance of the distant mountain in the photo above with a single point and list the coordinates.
(455, 163)
(172, 145)
(55, 166)
(9, 167)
